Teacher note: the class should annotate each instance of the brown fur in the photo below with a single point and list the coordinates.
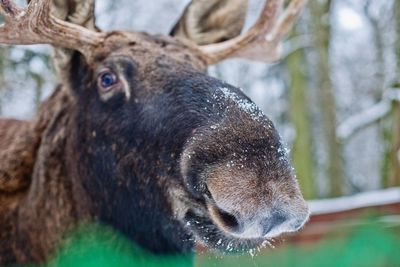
(20, 196)
(34, 190)
(143, 158)
(19, 143)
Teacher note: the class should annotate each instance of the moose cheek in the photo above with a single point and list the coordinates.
(117, 90)
(107, 95)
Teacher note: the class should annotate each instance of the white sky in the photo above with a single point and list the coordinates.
(349, 19)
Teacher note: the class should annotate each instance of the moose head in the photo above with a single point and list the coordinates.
(146, 142)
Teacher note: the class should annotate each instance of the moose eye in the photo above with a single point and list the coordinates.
(107, 80)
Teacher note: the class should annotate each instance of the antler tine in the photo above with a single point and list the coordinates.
(262, 42)
(10, 9)
(35, 25)
(286, 21)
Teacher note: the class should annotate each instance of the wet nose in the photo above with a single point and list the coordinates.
(267, 225)
(270, 223)
(280, 223)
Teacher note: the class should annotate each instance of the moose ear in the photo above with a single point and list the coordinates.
(211, 21)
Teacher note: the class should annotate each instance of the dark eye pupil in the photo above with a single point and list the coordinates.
(107, 79)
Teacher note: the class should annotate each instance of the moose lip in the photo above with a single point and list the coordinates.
(209, 234)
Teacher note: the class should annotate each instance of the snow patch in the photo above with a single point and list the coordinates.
(244, 104)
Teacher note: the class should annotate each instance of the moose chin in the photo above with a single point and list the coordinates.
(138, 137)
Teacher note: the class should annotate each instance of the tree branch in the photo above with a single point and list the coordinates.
(369, 116)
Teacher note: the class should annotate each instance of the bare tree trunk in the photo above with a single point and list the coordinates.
(320, 11)
(384, 125)
(3, 55)
(300, 117)
(394, 170)
(38, 90)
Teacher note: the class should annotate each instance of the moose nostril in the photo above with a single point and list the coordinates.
(229, 221)
(272, 222)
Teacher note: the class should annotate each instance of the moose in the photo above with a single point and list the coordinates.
(138, 137)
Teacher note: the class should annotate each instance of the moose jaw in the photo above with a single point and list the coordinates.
(138, 137)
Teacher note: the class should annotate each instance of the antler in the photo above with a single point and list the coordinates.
(35, 25)
(262, 42)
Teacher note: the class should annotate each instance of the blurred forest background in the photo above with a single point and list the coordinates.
(335, 95)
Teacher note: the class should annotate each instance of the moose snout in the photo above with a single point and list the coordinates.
(245, 205)
(245, 179)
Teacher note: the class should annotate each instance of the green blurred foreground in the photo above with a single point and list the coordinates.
(372, 245)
